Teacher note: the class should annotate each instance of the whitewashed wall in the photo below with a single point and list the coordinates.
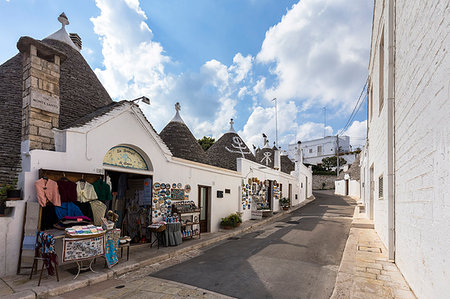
(422, 145)
(422, 142)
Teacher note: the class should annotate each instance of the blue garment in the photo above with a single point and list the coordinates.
(122, 186)
(67, 209)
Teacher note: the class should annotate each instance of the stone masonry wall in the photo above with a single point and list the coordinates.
(40, 79)
(422, 145)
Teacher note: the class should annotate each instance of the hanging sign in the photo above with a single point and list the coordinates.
(126, 157)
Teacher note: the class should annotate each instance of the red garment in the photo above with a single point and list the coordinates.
(67, 191)
(47, 190)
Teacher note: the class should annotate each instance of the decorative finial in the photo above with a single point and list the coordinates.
(231, 126)
(177, 117)
(63, 19)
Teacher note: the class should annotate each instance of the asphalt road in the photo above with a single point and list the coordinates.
(296, 257)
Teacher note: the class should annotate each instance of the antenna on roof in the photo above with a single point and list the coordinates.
(63, 19)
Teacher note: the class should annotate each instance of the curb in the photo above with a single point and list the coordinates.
(94, 278)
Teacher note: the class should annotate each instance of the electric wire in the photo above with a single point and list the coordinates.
(358, 105)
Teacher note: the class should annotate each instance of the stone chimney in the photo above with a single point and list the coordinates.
(76, 39)
(40, 97)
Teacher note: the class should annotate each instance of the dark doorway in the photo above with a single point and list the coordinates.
(290, 193)
(346, 187)
(203, 202)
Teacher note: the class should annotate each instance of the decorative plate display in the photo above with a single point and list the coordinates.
(179, 185)
(174, 186)
(187, 188)
(196, 219)
(156, 186)
(163, 186)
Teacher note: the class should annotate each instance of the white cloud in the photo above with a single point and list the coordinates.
(320, 51)
(241, 66)
(262, 120)
(357, 132)
(260, 86)
(133, 62)
(312, 130)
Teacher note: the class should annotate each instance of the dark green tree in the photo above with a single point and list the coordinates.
(206, 142)
(330, 162)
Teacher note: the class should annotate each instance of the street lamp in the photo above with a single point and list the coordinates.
(144, 99)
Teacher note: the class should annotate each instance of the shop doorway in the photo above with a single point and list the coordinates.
(204, 205)
(290, 193)
(132, 202)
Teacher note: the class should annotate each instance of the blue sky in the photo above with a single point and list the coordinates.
(219, 59)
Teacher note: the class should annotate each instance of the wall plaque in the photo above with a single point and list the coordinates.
(42, 101)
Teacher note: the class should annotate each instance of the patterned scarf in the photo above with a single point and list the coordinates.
(45, 248)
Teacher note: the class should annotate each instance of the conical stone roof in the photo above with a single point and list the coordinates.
(224, 152)
(177, 136)
(81, 93)
(286, 164)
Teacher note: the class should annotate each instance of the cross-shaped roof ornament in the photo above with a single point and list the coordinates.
(231, 126)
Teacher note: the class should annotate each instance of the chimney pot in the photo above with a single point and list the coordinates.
(76, 39)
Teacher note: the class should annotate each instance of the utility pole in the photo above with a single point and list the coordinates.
(276, 121)
(337, 155)
(324, 121)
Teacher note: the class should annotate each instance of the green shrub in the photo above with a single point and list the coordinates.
(231, 220)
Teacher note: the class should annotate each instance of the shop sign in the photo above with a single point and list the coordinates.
(126, 157)
(256, 215)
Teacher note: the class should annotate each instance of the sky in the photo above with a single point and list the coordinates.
(220, 59)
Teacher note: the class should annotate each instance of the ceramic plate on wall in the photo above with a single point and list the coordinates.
(179, 185)
(187, 188)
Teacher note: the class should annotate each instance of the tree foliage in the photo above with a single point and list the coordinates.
(206, 142)
(330, 162)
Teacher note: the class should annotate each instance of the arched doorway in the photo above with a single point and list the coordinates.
(129, 171)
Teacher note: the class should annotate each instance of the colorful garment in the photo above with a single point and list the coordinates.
(67, 209)
(98, 211)
(112, 247)
(85, 192)
(102, 190)
(47, 190)
(67, 191)
(45, 248)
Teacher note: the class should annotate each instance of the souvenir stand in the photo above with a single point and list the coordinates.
(171, 206)
(257, 196)
(71, 221)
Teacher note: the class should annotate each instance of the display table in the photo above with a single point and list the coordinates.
(83, 249)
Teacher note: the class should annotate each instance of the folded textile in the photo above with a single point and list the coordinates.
(67, 209)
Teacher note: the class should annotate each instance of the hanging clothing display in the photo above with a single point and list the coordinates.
(103, 191)
(86, 209)
(47, 190)
(67, 209)
(45, 248)
(85, 191)
(48, 217)
(122, 186)
(98, 211)
(67, 191)
(112, 247)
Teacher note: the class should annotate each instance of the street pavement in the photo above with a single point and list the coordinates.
(297, 256)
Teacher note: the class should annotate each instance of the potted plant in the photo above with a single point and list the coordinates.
(226, 223)
(285, 203)
(9, 192)
(231, 221)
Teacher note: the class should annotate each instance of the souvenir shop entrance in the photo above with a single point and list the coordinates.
(132, 202)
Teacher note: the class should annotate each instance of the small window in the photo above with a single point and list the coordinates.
(310, 150)
(380, 187)
(227, 191)
(319, 149)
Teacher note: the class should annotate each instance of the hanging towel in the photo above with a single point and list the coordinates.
(98, 210)
(47, 190)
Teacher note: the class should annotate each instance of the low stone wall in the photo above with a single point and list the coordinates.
(318, 180)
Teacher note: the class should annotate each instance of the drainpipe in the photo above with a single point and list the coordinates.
(390, 129)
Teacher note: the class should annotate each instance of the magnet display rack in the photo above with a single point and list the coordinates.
(188, 214)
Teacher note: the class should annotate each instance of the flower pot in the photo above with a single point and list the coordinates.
(227, 227)
(13, 195)
(237, 224)
(285, 208)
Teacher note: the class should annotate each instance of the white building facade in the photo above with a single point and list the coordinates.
(315, 150)
(405, 164)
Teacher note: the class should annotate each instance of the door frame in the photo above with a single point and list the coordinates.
(208, 206)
